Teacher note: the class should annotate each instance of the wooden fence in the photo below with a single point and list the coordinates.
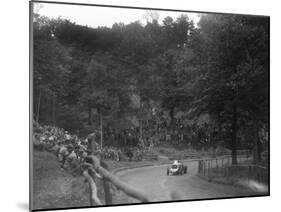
(94, 168)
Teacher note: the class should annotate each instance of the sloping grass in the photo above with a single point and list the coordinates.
(54, 187)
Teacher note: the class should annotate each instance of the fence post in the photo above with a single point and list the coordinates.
(217, 163)
(204, 167)
(200, 166)
(249, 174)
(257, 170)
(94, 200)
(106, 186)
(208, 165)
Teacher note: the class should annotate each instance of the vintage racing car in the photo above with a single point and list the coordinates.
(177, 168)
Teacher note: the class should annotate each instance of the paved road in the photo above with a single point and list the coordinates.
(154, 182)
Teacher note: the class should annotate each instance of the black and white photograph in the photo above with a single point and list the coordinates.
(136, 105)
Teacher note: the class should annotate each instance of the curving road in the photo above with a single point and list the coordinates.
(159, 187)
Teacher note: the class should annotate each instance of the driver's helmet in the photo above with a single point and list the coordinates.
(176, 162)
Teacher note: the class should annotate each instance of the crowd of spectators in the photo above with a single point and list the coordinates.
(150, 133)
(71, 150)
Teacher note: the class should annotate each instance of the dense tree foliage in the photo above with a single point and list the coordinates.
(205, 85)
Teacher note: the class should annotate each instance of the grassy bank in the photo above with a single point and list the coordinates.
(54, 187)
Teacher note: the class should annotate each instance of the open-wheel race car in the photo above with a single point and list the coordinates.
(177, 168)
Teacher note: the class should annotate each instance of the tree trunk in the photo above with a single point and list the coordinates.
(257, 146)
(172, 117)
(234, 136)
(54, 110)
(259, 149)
(90, 118)
(92, 142)
(125, 139)
(140, 129)
(38, 107)
(141, 118)
(101, 125)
